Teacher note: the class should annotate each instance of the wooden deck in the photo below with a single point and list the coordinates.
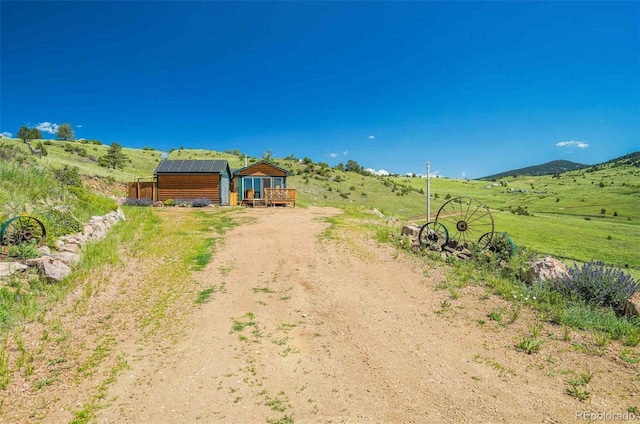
(272, 197)
(280, 196)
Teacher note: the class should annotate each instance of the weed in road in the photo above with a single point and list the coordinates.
(629, 356)
(240, 324)
(577, 387)
(204, 296)
(529, 345)
(495, 315)
(263, 290)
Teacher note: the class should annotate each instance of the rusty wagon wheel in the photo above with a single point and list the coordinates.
(433, 236)
(498, 243)
(466, 218)
(23, 229)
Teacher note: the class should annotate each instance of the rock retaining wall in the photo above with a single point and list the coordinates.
(56, 264)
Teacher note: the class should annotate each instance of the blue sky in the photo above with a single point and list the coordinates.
(473, 87)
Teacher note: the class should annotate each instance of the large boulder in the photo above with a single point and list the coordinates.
(546, 269)
(632, 305)
(120, 214)
(52, 269)
(68, 258)
(411, 231)
(9, 268)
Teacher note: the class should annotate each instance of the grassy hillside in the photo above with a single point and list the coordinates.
(235, 161)
(57, 198)
(141, 163)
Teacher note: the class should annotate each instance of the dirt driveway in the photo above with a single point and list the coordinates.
(300, 327)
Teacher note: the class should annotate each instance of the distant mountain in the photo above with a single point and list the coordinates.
(549, 168)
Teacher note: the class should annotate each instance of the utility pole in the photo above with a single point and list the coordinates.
(428, 192)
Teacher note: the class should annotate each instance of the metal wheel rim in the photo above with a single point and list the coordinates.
(23, 229)
(467, 218)
(433, 236)
(499, 243)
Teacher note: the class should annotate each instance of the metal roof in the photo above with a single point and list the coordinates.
(216, 166)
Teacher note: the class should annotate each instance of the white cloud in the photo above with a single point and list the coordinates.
(381, 172)
(7, 134)
(79, 126)
(333, 155)
(371, 137)
(464, 174)
(47, 127)
(578, 144)
(345, 152)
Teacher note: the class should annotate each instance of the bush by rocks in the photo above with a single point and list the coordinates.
(599, 285)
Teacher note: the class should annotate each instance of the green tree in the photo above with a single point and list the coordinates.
(24, 133)
(35, 134)
(353, 166)
(114, 158)
(65, 132)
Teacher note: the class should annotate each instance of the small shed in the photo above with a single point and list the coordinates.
(193, 179)
(257, 177)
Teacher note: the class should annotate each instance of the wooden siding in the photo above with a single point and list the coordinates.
(193, 186)
(141, 190)
(263, 169)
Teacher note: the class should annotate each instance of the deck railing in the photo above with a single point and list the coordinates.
(280, 196)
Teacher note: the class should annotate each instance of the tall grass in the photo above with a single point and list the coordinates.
(31, 189)
(21, 185)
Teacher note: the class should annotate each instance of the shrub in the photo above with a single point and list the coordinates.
(138, 202)
(199, 203)
(520, 211)
(60, 222)
(196, 203)
(88, 204)
(24, 251)
(12, 153)
(599, 285)
(169, 202)
(69, 175)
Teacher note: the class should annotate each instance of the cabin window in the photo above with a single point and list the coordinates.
(258, 184)
(278, 182)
